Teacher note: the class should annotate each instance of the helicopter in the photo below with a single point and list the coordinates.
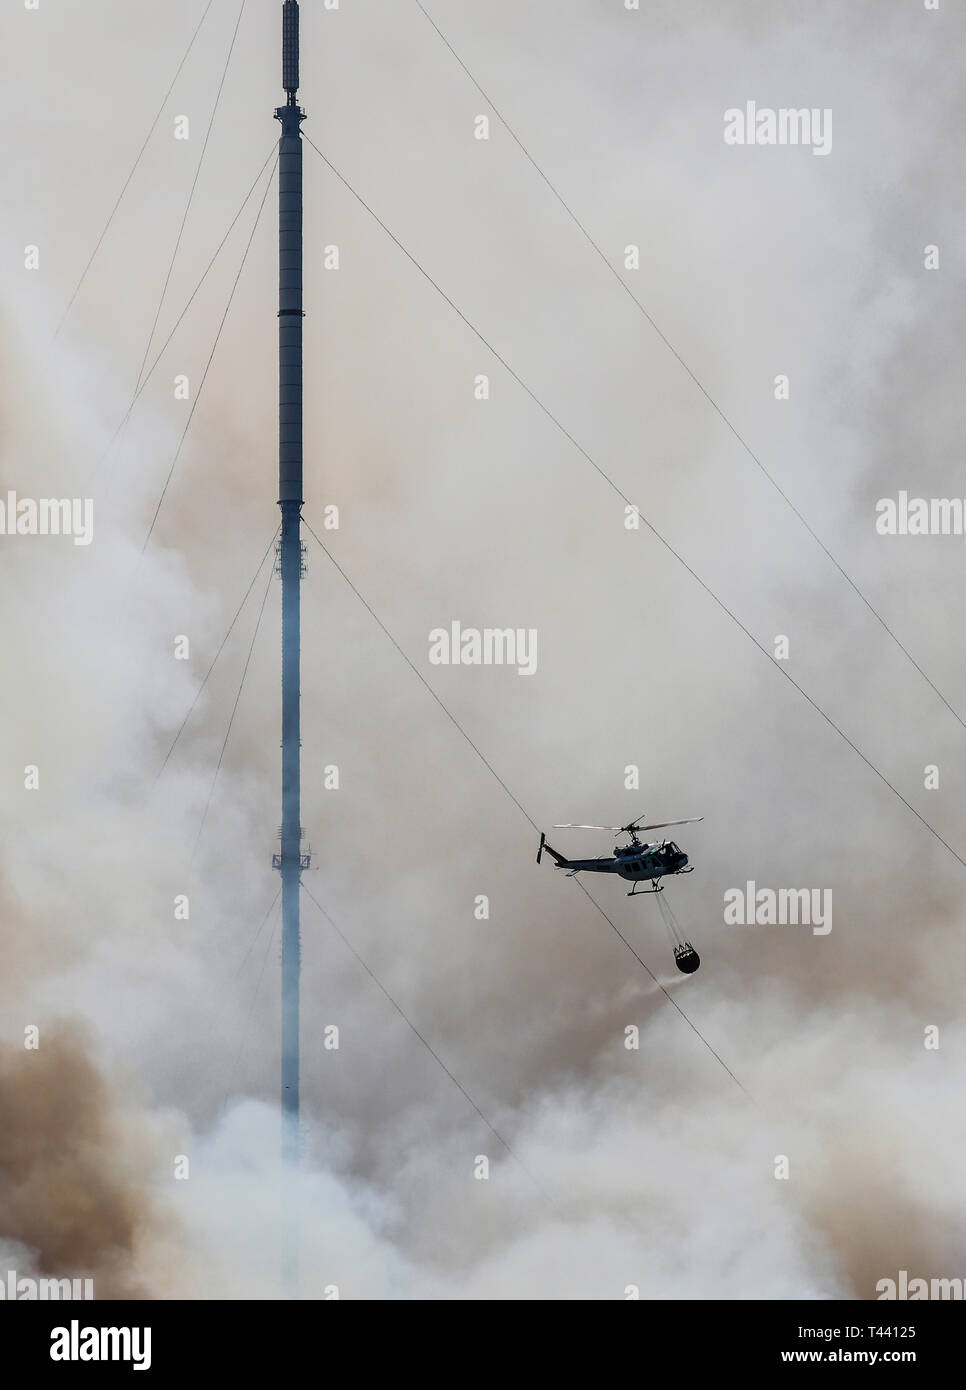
(637, 861)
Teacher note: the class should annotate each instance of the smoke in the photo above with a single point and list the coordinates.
(139, 1141)
(78, 1166)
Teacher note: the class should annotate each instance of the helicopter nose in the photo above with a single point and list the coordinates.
(681, 860)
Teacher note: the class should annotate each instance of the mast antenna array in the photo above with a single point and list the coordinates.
(290, 49)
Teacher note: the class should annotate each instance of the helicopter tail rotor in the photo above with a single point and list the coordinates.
(560, 860)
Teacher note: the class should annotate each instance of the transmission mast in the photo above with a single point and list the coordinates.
(291, 860)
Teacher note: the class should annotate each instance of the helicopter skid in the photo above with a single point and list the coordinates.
(637, 892)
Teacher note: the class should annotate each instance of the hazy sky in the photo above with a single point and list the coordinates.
(159, 1037)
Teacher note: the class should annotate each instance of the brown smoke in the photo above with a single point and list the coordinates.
(77, 1168)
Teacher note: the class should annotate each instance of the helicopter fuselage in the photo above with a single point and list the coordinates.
(648, 861)
(638, 863)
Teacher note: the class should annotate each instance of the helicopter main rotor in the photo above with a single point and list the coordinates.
(634, 828)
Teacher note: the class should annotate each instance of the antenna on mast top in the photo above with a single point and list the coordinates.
(290, 49)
